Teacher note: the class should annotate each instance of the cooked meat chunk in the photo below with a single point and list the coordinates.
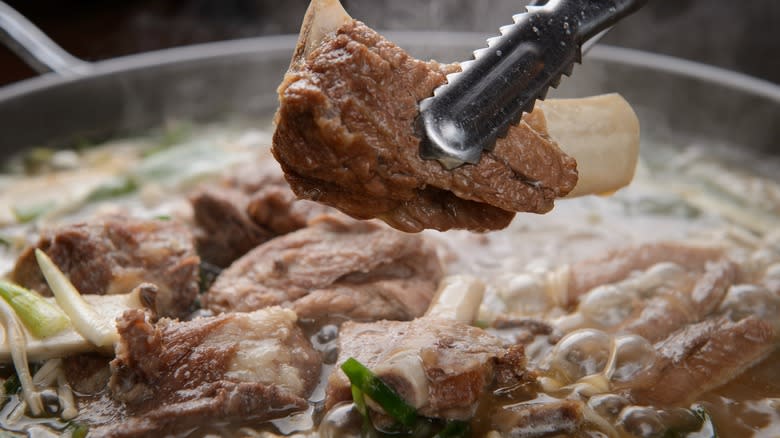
(345, 137)
(236, 367)
(711, 287)
(224, 230)
(660, 316)
(246, 209)
(618, 264)
(704, 356)
(548, 417)
(669, 310)
(113, 255)
(337, 267)
(441, 367)
(744, 300)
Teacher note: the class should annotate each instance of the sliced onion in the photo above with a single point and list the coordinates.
(83, 316)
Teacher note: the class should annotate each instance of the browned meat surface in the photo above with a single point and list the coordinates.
(246, 209)
(113, 255)
(345, 137)
(243, 367)
(439, 366)
(704, 356)
(618, 264)
(337, 267)
(224, 230)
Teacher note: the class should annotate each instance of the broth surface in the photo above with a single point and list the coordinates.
(681, 193)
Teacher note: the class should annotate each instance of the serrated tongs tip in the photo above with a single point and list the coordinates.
(491, 92)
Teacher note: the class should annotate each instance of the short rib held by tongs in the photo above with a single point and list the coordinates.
(478, 104)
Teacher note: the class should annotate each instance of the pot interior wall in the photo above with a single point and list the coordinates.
(240, 78)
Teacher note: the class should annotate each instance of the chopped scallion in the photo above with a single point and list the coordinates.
(42, 318)
(92, 326)
(28, 213)
(11, 386)
(77, 430)
(118, 187)
(373, 387)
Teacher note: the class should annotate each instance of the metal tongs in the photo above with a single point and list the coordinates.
(479, 104)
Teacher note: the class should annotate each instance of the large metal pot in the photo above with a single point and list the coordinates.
(676, 100)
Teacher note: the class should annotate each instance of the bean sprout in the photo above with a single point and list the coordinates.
(47, 374)
(66, 400)
(17, 343)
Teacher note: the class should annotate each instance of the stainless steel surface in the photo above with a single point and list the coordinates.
(678, 100)
(32, 45)
(478, 104)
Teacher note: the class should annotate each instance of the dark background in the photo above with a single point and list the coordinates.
(742, 35)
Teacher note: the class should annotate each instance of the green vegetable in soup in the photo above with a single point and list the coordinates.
(42, 318)
(113, 189)
(372, 386)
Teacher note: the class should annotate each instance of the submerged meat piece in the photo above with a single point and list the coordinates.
(618, 264)
(237, 367)
(345, 137)
(87, 373)
(245, 210)
(669, 310)
(539, 418)
(441, 367)
(711, 287)
(224, 230)
(660, 316)
(113, 255)
(704, 356)
(337, 267)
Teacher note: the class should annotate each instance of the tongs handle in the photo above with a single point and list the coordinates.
(476, 107)
(35, 48)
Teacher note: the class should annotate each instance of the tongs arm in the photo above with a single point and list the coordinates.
(476, 107)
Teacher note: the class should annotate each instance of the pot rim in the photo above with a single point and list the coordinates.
(285, 44)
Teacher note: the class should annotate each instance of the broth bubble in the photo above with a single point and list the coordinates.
(581, 353)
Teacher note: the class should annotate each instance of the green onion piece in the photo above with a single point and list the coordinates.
(454, 429)
(482, 324)
(360, 402)
(367, 428)
(28, 213)
(11, 385)
(92, 326)
(42, 318)
(113, 189)
(77, 430)
(372, 386)
(5, 242)
(37, 159)
(174, 134)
